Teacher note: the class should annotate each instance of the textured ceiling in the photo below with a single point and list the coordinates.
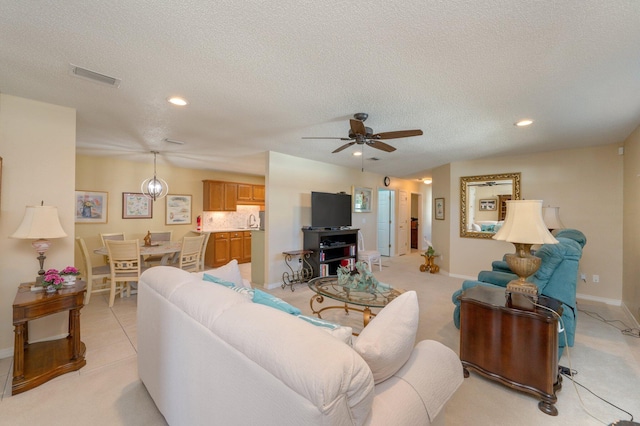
(260, 75)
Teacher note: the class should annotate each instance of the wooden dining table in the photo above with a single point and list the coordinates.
(166, 249)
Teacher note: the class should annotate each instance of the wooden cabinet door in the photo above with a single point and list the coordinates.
(220, 249)
(235, 246)
(213, 196)
(209, 254)
(246, 247)
(258, 193)
(230, 196)
(245, 192)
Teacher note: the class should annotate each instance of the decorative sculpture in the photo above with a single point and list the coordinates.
(360, 279)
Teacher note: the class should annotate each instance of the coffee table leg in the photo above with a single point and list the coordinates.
(366, 315)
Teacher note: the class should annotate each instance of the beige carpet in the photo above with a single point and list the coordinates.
(107, 390)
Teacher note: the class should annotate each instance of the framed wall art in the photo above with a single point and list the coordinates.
(361, 199)
(91, 206)
(488, 204)
(136, 205)
(438, 206)
(178, 211)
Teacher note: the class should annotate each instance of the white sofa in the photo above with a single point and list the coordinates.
(209, 355)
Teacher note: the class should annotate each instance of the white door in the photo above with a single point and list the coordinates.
(403, 222)
(385, 203)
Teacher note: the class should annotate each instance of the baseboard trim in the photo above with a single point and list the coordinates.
(464, 277)
(615, 302)
(627, 311)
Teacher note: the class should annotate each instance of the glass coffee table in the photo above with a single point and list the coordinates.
(351, 300)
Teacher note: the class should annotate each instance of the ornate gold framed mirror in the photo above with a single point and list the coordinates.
(483, 203)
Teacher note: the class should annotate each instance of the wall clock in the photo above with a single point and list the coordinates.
(387, 181)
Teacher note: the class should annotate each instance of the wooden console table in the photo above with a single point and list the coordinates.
(511, 341)
(37, 363)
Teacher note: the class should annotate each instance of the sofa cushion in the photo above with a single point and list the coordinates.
(229, 272)
(340, 332)
(263, 298)
(388, 340)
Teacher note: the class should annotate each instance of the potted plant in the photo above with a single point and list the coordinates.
(69, 275)
(52, 280)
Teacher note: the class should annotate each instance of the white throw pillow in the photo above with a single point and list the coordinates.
(388, 340)
(229, 272)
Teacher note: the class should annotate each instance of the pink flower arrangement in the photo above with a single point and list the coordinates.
(70, 270)
(52, 277)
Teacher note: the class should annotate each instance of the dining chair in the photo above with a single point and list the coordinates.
(205, 241)
(190, 253)
(124, 257)
(118, 236)
(157, 237)
(92, 272)
(368, 256)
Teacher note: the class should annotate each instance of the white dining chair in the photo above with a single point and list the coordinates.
(124, 258)
(92, 273)
(118, 236)
(190, 253)
(205, 241)
(368, 256)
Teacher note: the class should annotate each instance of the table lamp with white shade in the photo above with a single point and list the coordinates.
(524, 227)
(551, 217)
(40, 223)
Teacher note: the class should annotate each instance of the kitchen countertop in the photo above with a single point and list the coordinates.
(230, 230)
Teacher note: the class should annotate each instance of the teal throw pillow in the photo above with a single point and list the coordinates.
(217, 280)
(319, 322)
(263, 298)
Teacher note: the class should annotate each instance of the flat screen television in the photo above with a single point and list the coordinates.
(330, 210)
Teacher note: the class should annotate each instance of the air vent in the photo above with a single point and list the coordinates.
(173, 141)
(94, 76)
(373, 159)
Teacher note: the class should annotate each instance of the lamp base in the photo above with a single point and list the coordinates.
(523, 287)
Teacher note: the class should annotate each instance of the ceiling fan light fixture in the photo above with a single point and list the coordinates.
(178, 101)
(524, 122)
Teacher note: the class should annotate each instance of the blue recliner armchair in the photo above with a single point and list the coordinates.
(556, 278)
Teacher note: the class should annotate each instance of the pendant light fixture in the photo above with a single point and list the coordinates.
(154, 187)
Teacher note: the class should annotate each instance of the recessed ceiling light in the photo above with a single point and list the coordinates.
(175, 100)
(357, 153)
(523, 123)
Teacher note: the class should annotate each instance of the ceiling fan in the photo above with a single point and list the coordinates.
(361, 135)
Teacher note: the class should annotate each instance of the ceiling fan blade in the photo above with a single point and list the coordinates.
(380, 145)
(345, 146)
(320, 137)
(398, 134)
(357, 127)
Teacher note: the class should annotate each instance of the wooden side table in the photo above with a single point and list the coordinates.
(37, 363)
(512, 341)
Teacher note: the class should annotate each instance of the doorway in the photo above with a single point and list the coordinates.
(386, 203)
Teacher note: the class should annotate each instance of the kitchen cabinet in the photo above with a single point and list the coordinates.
(219, 196)
(250, 194)
(225, 246)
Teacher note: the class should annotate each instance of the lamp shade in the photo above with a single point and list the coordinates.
(40, 222)
(524, 224)
(551, 217)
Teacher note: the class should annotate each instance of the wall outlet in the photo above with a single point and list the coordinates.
(583, 277)
(596, 278)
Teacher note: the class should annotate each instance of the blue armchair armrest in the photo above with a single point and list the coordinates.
(500, 266)
(497, 278)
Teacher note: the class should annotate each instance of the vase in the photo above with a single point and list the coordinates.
(69, 280)
(50, 288)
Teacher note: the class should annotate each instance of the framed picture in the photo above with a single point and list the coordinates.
(136, 205)
(438, 206)
(91, 206)
(488, 204)
(178, 210)
(361, 199)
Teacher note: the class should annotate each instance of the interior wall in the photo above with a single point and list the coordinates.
(442, 230)
(631, 225)
(586, 184)
(37, 144)
(116, 175)
(288, 205)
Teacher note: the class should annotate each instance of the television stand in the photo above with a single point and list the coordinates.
(331, 248)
